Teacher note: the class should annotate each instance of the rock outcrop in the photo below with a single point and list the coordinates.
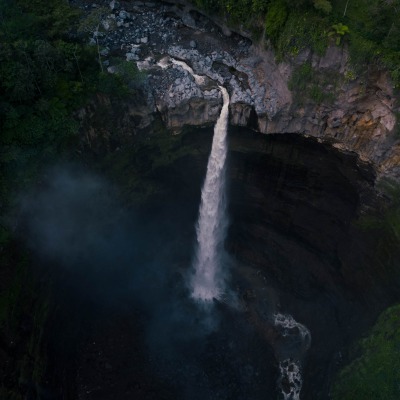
(360, 118)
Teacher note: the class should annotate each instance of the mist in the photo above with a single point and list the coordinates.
(106, 257)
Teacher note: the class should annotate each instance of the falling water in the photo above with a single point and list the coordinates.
(207, 282)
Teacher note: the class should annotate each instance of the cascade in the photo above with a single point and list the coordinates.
(207, 281)
(298, 341)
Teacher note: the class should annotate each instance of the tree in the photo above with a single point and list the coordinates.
(91, 24)
(275, 20)
(323, 5)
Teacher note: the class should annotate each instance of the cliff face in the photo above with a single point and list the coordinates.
(293, 247)
(293, 203)
(351, 114)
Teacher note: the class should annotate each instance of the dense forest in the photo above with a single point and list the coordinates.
(370, 28)
(48, 72)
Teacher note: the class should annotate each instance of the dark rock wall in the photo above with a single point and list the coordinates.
(294, 204)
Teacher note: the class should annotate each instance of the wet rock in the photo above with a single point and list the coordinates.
(257, 85)
(114, 5)
(124, 14)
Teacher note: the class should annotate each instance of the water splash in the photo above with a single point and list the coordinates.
(290, 380)
(290, 327)
(297, 339)
(207, 281)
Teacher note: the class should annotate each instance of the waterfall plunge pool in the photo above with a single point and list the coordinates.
(292, 246)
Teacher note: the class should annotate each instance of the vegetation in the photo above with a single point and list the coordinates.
(308, 84)
(338, 30)
(374, 371)
(371, 28)
(375, 374)
(47, 73)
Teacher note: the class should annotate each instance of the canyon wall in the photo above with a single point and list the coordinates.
(352, 113)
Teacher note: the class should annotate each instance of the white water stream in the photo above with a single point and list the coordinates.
(198, 78)
(207, 281)
(290, 380)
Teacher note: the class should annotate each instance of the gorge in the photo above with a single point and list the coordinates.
(127, 289)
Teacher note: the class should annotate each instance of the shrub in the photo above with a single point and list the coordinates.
(375, 373)
(275, 20)
(302, 30)
(323, 5)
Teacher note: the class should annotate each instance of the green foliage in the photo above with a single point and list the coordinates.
(51, 19)
(301, 31)
(130, 74)
(307, 84)
(375, 374)
(210, 6)
(301, 77)
(45, 76)
(338, 30)
(259, 6)
(126, 80)
(92, 22)
(275, 19)
(374, 34)
(323, 5)
(371, 27)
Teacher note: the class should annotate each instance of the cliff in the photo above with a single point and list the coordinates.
(313, 95)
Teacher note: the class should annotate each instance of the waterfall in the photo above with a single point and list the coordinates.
(207, 281)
